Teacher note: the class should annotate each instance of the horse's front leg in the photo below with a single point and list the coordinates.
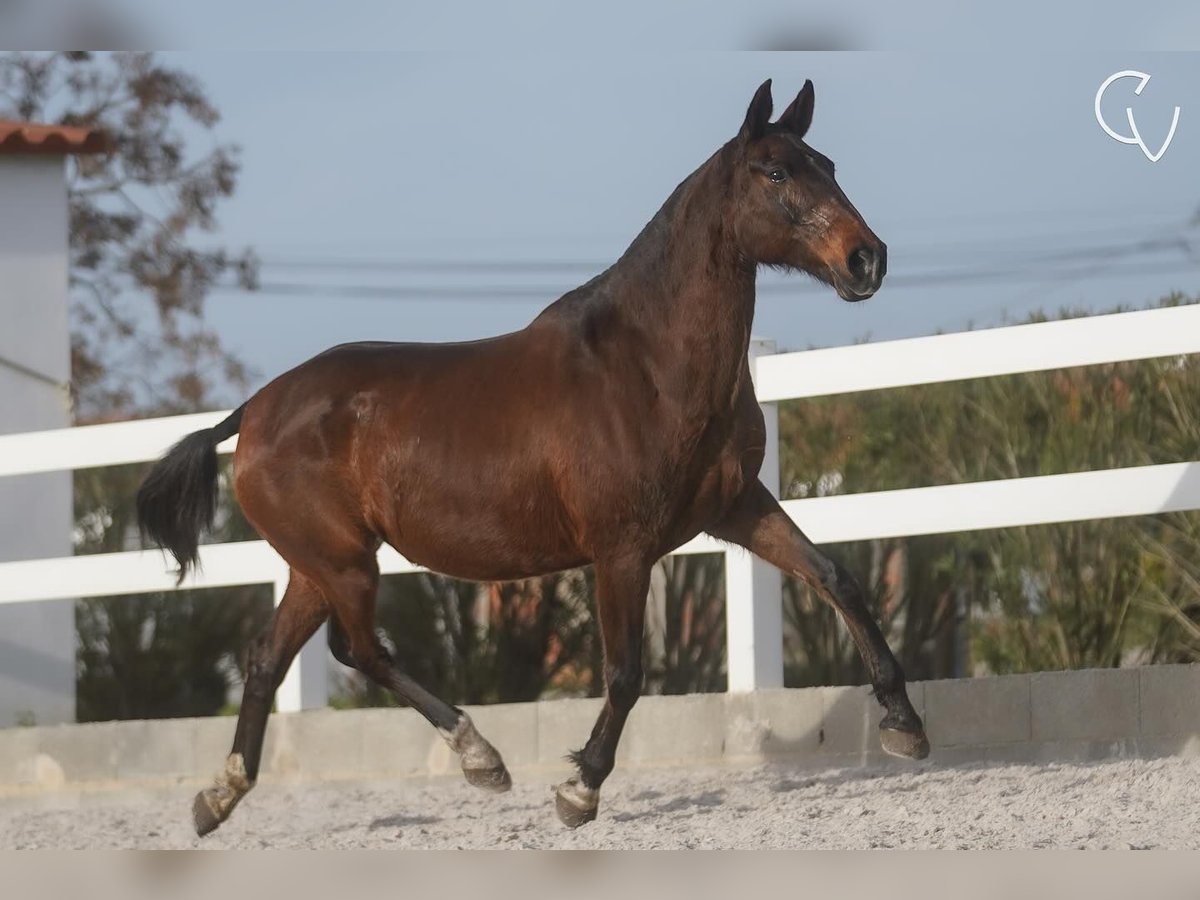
(621, 585)
(758, 523)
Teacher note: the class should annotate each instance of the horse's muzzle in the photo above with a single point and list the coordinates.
(865, 267)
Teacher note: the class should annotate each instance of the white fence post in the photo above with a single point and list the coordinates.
(753, 588)
(306, 684)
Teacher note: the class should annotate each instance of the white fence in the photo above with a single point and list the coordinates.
(753, 589)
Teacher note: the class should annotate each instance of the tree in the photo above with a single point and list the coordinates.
(1046, 597)
(685, 626)
(139, 272)
(487, 643)
(525, 640)
(141, 268)
(156, 655)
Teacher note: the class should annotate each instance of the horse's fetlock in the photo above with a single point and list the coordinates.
(213, 805)
(482, 764)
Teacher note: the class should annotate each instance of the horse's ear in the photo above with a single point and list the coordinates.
(758, 116)
(797, 117)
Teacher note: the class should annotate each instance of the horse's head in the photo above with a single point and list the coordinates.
(788, 209)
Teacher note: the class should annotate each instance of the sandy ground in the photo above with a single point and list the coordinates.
(1116, 804)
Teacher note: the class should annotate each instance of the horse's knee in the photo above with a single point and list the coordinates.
(340, 647)
(835, 580)
(370, 657)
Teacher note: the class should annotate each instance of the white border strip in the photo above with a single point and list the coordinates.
(1112, 493)
(145, 571)
(115, 444)
(1171, 331)
(1040, 500)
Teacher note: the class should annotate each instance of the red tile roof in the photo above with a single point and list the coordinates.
(30, 137)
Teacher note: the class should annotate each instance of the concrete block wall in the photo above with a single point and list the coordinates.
(1037, 718)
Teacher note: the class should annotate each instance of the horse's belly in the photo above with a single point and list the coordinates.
(482, 538)
(482, 563)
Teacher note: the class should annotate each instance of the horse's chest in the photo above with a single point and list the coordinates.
(722, 480)
(719, 476)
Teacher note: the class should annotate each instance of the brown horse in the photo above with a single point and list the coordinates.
(618, 425)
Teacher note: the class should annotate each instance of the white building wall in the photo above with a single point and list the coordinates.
(37, 640)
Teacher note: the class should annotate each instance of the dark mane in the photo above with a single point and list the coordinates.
(629, 292)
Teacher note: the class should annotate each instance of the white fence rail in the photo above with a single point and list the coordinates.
(753, 590)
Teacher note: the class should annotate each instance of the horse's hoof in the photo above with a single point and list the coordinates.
(482, 764)
(576, 805)
(213, 805)
(909, 744)
(204, 817)
(496, 779)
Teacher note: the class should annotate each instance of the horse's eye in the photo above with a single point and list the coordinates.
(777, 175)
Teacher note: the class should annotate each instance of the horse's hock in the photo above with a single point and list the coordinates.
(1043, 717)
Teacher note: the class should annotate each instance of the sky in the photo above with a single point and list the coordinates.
(986, 173)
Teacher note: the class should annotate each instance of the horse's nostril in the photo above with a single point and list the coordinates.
(862, 264)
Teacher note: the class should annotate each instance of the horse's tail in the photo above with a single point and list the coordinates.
(178, 499)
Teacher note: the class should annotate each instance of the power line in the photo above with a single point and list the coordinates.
(439, 265)
(1037, 264)
(1120, 221)
(533, 266)
(22, 369)
(1027, 249)
(499, 293)
(1104, 263)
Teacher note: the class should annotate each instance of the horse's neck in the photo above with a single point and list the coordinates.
(685, 285)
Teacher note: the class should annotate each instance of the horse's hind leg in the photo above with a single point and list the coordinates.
(299, 614)
(353, 641)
